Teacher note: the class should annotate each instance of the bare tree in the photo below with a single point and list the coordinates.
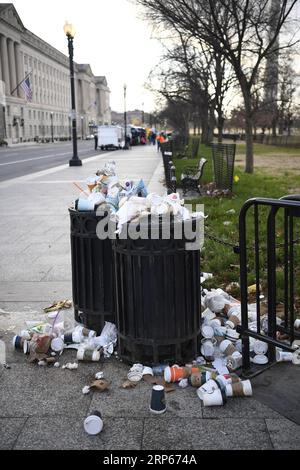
(237, 30)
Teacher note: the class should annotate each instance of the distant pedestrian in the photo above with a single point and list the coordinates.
(96, 141)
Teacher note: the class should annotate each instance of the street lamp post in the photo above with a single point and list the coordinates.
(51, 118)
(70, 33)
(81, 127)
(125, 117)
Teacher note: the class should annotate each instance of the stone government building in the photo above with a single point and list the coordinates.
(49, 112)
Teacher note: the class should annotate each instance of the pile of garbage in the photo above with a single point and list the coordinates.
(128, 201)
(214, 372)
(45, 341)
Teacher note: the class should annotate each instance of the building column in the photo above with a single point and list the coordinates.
(5, 66)
(12, 66)
(19, 69)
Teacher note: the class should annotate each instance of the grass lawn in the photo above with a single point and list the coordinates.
(261, 149)
(220, 260)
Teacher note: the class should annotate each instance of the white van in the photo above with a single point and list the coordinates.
(110, 137)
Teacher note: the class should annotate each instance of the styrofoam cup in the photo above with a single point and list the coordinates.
(215, 398)
(147, 371)
(207, 331)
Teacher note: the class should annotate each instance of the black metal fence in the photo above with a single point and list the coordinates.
(276, 225)
(169, 168)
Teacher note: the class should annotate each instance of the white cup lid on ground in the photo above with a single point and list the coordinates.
(93, 425)
(260, 359)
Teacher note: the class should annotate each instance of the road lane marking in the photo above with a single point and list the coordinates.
(36, 158)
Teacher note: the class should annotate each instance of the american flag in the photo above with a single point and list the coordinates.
(27, 89)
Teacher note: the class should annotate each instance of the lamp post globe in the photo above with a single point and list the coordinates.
(70, 31)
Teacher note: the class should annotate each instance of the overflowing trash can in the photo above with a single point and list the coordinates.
(92, 271)
(223, 163)
(157, 295)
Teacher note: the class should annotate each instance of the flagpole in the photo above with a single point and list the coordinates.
(20, 83)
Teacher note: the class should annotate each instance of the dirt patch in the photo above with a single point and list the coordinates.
(275, 163)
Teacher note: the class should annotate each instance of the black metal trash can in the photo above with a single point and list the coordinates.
(92, 272)
(157, 299)
(223, 160)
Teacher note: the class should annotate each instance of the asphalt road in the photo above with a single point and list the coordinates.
(23, 160)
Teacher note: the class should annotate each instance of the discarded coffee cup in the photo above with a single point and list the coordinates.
(296, 358)
(215, 324)
(297, 324)
(147, 371)
(207, 387)
(176, 373)
(93, 424)
(234, 361)
(233, 321)
(158, 402)
(283, 356)
(216, 398)
(57, 344)
(74, 337)
(84, 205)
(26, 347)
(260, 347)
(227, 348)
(208, 315)
(25, 334)
(85, 332)
(207, 331)
(239, 389)
(208, 348)
(232, 335)
(88, 355)
(134, 376)
(137, 368)
(18, 343)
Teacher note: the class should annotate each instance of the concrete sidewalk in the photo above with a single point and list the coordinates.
(45, 408)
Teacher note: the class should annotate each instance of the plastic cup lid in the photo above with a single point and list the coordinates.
(93, 425)
(260, 359)
(207, 331)
(57, 344)
(260, 347)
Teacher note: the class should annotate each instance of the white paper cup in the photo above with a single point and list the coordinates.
(208, 387)
(57, 344)
(88, 355)
(207, 349)
(283, 356)
(247, 388)
(147, 371)
(227, 348)
(297, 324)
(232, 335)
(137, 368)
(208, 315)
(215, 323)
(296, 358)
(229, 391)
(207, 331)
(260, 347)
(134, 376)
(213, 399)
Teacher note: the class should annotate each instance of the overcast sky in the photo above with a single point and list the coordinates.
(109, 37)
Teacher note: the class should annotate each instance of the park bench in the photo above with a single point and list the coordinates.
(190, 180)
